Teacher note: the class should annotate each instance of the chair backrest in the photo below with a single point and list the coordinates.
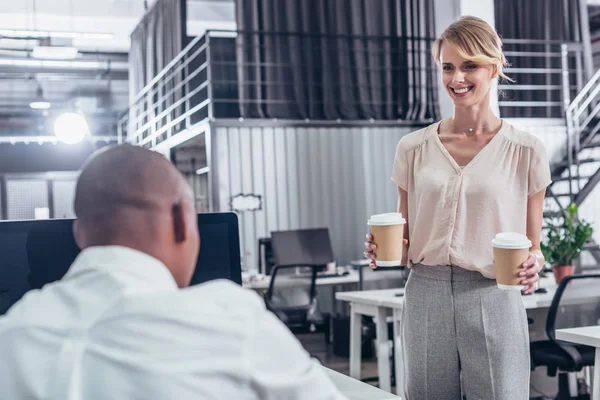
(266, 261)
(292, 286)
(576, 303)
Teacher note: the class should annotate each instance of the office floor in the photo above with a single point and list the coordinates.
(316, 346)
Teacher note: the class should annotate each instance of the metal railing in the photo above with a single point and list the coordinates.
(164, 106)
(273, 75)
(547, 74)
(229, 75)
(582, 117)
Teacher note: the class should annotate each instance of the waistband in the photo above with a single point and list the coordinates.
(447, 273)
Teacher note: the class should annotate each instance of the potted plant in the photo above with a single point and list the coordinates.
(564, 243)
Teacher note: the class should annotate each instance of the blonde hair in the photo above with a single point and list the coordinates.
(475, 40)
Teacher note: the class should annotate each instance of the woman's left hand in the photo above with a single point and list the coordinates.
(530, 272)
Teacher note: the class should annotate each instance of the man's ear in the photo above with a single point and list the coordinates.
(78, 235)
(179, 224)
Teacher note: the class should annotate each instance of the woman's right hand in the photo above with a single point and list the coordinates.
(371, 247)
(370, 251)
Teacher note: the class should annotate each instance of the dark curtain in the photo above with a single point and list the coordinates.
(157, 40)
(556, 21)
(336, 59)
(224, 77)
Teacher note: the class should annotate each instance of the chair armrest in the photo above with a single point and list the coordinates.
(572, 352)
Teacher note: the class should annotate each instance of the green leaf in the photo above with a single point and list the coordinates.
(564, 242)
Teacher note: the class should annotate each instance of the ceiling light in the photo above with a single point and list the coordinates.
(20, 33)
(52, 63)
(49, 139)
(40, 105)
(71, 128)
(40, 102)
(54, 52)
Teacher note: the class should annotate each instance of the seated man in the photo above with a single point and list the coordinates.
(123, 323)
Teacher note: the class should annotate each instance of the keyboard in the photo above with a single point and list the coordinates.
(334, 275)
(320, 275)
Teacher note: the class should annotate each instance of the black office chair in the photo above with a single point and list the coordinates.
(266, 260)
(575, 304)
(292, 296)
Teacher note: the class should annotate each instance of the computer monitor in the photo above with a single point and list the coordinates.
(220, 254)
(34, 253)
(302, 247)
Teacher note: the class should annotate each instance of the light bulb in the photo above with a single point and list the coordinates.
(71, 128)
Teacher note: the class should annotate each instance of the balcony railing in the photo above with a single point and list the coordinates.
(302, 77)
(331, 79)
(547, 74)
(163, 107)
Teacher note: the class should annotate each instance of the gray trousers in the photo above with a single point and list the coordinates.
(458, 323)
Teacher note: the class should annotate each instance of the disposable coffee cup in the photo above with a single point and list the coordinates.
(511, 250)
(388, 233)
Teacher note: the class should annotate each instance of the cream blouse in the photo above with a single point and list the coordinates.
(454, 212)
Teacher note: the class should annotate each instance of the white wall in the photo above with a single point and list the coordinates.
(199, 185)
(307, 177)
(553, 132)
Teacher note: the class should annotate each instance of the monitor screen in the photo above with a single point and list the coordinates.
(34, 253)
(302, 247)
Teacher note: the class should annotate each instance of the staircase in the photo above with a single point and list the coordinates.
(578, 173)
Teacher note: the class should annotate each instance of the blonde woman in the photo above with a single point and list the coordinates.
(461, 181)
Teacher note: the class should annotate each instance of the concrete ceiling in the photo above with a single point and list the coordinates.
(101, 92)
(118, 17)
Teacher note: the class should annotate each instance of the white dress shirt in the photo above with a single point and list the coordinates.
(117, 327)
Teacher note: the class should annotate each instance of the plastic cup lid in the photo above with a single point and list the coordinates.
(387, 219)
(511, 240)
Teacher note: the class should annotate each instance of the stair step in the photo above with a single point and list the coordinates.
(583, 161)
(593, 144)
(591, 247)
(560, 195)
(566, 178)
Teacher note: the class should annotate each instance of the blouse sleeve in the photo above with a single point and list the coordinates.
(539, 169)
(400, 169)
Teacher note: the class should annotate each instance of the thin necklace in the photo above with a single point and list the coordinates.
(469, 131)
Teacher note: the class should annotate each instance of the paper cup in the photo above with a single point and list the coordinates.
(511, 249)
(388, 234)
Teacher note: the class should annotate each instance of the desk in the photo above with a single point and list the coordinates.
(376, 303)
(335, 282)
(378, 280)
(589, 336)
(283, 281)
(353, 278)
(357, 390)
(379, 304)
